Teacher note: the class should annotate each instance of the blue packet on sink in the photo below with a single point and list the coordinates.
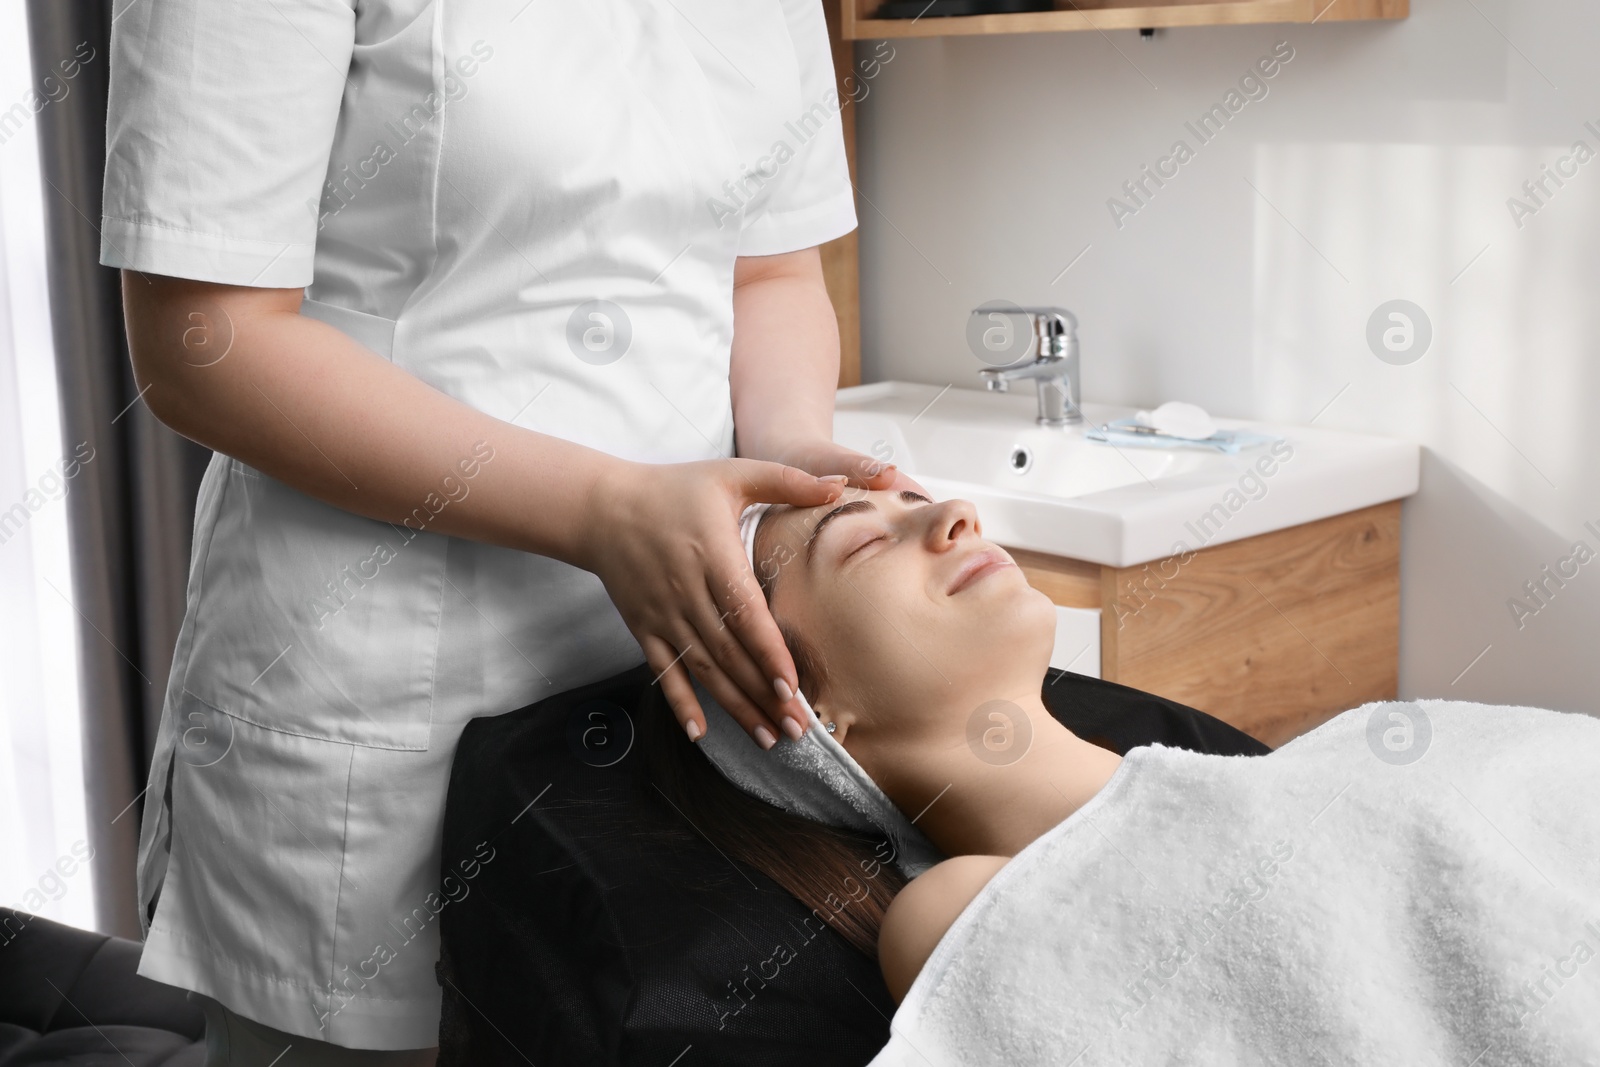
(1118, 432)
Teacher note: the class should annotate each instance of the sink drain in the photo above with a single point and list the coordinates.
(1021, 460)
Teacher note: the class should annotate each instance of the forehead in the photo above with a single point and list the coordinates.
(793, 519)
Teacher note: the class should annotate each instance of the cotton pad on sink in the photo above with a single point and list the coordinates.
(1176, 425)
(1178, 419)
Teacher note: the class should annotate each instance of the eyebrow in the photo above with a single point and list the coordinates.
(907, 495)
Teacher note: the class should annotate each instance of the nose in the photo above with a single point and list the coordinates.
(950, 523)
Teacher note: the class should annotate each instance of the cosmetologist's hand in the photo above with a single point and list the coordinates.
(666, 546)
(824, 458)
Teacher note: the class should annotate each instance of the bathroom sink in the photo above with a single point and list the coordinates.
(1051, 489)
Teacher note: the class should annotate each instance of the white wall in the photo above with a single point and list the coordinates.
(1381, 160)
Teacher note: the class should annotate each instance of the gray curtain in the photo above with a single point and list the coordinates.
(131, 510)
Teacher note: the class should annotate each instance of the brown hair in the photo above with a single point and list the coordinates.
(846, 878)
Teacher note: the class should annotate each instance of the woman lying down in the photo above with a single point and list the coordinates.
(1340, 900)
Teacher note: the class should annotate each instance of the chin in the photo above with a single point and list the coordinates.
(1029, 598)
(1040, 611)
(1021, 616)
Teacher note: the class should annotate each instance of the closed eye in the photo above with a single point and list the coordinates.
(864, 544)
(854, 507)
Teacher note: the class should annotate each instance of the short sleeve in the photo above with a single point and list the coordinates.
(812, 200)
(220, 122)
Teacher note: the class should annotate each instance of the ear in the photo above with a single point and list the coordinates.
(828, 713)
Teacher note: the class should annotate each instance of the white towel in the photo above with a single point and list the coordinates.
(1329, 903)
(814, 777)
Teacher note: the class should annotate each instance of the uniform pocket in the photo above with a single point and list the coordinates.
(374, 331)
(310, 620)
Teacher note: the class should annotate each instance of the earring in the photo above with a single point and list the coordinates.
(832, 727)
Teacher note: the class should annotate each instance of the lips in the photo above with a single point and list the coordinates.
(975, 566)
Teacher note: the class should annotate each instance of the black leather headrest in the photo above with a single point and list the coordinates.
(599, 929)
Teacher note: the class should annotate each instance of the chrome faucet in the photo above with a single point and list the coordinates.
(1054, 368)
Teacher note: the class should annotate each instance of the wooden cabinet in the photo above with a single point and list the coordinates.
(1274, 634)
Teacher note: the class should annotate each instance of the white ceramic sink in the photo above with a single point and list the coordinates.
(1053, 490)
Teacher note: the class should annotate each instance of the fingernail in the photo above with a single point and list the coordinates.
(792, 728)
(834, 478)
(764, 737)
(692, 728)
(781, 687)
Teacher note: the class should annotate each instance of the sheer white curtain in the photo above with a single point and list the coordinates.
(44, 856)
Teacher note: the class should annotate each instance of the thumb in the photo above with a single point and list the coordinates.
(775, 483)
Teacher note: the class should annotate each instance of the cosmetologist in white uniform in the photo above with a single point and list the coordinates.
(457, 181)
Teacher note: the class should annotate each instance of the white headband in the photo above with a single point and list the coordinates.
(748, 521)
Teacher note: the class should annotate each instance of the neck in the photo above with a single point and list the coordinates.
(1020, 775)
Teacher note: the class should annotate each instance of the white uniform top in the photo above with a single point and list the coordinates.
(453, 179)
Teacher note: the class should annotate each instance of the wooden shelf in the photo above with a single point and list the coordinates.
(858, 24)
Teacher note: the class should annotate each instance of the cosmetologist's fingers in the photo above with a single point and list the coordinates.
(725, 633)
(727, 693)
(673, 678)
(775, 483)
(749, 621)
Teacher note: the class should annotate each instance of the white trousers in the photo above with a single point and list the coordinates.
(234, 1041)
